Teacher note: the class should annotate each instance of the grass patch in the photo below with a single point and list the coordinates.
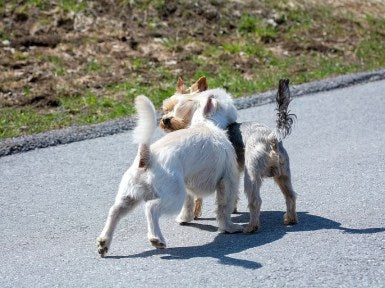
(92, 66)
(246, 53)
(256, 26)
(20, 121)
(41, 4)
(75, 6)
(156, 93)
(248, 24)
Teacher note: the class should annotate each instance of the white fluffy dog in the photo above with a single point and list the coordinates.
(182, 165)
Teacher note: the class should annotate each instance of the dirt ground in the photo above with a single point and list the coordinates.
(54, 50)
(51, 51)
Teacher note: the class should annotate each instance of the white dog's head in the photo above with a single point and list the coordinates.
(188, 108)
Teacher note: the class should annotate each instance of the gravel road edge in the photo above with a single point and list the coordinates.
(78, 133)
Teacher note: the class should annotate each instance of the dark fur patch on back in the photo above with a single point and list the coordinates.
(235, 136)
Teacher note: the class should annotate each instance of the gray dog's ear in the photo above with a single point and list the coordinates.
(210, 106)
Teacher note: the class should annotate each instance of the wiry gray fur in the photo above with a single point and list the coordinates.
(263, 155)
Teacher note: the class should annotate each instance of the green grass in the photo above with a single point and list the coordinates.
(93, 66)
(253, 42)
(268, 78)
(41, 4)
(248, 24)
(16, 121)
(75, 6)
(371, 49)
(155, 93)
(255, 26)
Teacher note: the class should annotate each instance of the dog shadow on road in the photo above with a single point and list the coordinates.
(272, 229)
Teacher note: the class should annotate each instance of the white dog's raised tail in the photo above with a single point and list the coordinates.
(146, 124)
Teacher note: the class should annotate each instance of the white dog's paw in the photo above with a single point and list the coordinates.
(232, 228)
(157, 243)
(185, 218)
(103, 245)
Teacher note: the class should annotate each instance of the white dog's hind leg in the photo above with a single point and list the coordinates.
(187, 213)
(152, 214)
(226, 196)
(120, 208)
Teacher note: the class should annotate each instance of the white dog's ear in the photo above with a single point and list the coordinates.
(210, 106)
(199, 86)
(180, 88)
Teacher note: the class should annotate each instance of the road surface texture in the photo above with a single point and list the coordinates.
(54, 203)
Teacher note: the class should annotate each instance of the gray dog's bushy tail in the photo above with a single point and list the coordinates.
(285, 119)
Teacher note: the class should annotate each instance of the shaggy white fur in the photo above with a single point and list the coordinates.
(182, 165)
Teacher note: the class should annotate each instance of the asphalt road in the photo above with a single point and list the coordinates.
(54, 202)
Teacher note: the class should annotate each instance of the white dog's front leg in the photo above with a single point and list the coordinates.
(154, 234)
(187, 213)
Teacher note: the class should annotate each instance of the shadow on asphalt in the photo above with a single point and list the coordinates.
(272, 229)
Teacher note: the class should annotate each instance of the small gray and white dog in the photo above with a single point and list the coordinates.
(260, 152)
(181, 165)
